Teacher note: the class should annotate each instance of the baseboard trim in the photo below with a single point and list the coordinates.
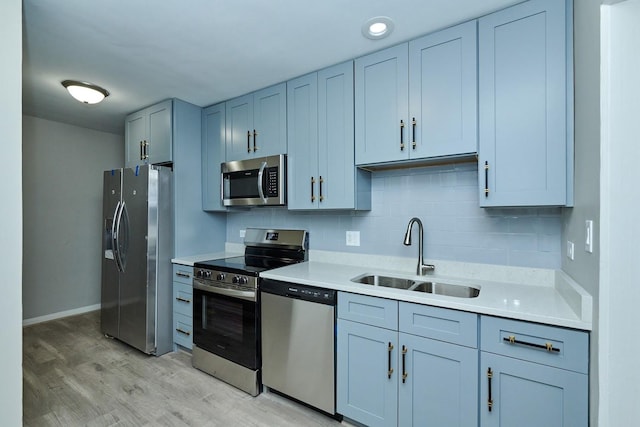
(60, 315)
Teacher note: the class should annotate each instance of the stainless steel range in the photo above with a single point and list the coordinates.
(226, 310)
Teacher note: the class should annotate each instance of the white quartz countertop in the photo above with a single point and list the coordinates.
(562, 303)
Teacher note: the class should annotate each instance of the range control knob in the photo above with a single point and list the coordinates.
(199, 274)
(239, 280)
(220, 277)
(207, 274)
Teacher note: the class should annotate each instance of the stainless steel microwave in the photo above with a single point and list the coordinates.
(255, 182)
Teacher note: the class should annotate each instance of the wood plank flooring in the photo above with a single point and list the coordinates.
(74, 376)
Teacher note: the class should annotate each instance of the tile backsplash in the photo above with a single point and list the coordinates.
(445, 198)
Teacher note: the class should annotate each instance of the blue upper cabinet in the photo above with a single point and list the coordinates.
(418, 100)
(382, 106)
(257, 124)
(213, 154)
(321, 168)
(302, 134)
(526, 105)
(443, 87)
(148, 135)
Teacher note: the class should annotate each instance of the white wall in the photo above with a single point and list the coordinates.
(62, 175)
(11, 213)
(619, 345)
(584, 268)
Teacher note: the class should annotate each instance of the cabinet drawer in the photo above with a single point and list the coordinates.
(183, 274)
(372, 311)
(182, 330)
(456, 327)
(548, 345)
(183, 299)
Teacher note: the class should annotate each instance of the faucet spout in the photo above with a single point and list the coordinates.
(422, 267)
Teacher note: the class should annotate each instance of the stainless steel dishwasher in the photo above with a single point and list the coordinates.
(298, 342)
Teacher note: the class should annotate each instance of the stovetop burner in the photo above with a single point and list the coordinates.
(264, 250)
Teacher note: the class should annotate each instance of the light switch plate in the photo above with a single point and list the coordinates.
(353, 238)
(242, 233)
(588, 239)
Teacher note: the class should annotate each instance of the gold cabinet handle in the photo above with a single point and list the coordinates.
(390, 369)
(404, 370)
(320, 185)
(511, 339)
(490, 399)
(255, 137)
(313, 197)
(413, 125)
(401, 135)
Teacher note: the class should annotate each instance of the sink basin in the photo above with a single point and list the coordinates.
(386, 281)
(437, 288)
(446, 289)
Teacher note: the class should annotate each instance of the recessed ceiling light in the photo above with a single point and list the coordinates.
(87, 93)
(377, 28)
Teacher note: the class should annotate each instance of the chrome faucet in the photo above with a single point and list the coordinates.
(422, 267)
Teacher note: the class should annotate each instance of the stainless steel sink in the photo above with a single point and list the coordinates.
(437, 288)
(446, 289)
(386, 281)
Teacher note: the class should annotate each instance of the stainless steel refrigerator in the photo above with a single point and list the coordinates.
(137, 249)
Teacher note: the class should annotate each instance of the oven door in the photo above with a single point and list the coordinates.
(227, 326)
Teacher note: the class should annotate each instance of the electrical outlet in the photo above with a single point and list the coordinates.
(242, 233)
(588, 239)
(353, 238)
(570, 250)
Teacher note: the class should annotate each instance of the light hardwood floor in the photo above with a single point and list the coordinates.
(74, 376)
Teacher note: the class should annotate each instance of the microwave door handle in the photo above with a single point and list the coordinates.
(260, 175)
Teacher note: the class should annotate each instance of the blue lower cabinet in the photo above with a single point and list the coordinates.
(182, 306)
(367, 374)
(438, 383)
(525, 394)
(388, 377)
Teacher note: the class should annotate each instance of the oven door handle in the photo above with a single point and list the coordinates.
(260, 175)
(234, 293)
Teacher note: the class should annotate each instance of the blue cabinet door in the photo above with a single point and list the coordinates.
(438, 383)
(135, 134)
(269, 121)
(367, 374)
(527, 394)
(382, 106)
(343, 185)
(160, 147)
(524, 76)
(302, 134)
(443, 96)
(213, 154)
(239, 127)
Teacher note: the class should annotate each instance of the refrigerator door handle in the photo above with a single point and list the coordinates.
(122, 237)
(114, 235)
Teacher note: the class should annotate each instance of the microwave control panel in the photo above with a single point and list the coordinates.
(272, 182)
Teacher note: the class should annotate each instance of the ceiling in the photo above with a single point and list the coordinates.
(201, 51)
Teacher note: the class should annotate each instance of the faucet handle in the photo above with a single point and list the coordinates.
(424, 268)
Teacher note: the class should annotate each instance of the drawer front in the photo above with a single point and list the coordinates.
(183, 330)
(456, 327)
(372, 311)
(548, 345)
(183, 299)
(182, 274)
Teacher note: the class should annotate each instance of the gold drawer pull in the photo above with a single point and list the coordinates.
(511, 339)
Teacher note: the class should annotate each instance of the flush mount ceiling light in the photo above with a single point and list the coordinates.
(85, 92)
(377, 28)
